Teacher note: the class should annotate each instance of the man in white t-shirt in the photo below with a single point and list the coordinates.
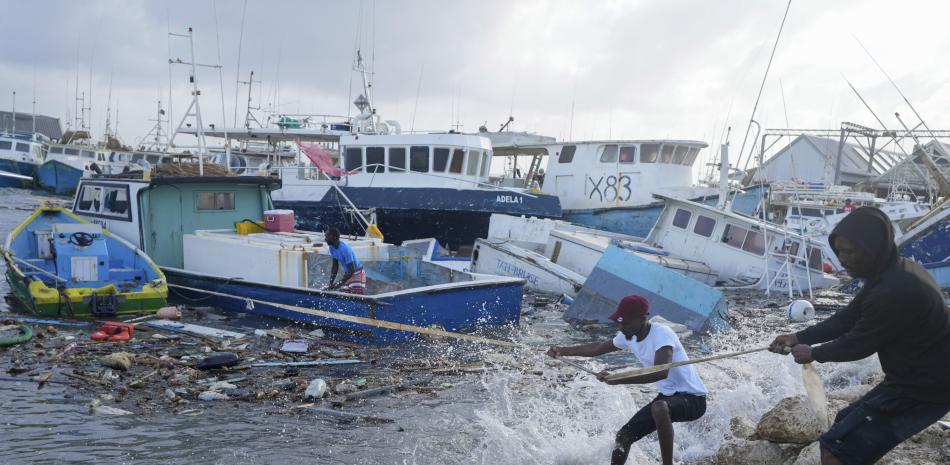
(682, 394)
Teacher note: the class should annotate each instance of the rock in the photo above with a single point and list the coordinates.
(850, 393)
(117, 360)
(170, 395)
(810, 455)
(211, 395)
(741, 427)
(745, 452)
(791, 421)
(317, 389)
(345, 388)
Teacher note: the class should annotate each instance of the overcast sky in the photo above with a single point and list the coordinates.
(629, 69)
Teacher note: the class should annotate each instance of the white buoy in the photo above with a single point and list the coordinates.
(800, 311)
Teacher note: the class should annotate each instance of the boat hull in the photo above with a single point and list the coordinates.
(455, 217)
(58, 177)
(17, 167)
(76, 304)
(457, 309)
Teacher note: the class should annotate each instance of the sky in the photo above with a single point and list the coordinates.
(683, 69)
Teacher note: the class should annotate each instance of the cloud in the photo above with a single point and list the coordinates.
(645, 69)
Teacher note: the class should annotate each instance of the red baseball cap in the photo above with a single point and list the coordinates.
(629, 307)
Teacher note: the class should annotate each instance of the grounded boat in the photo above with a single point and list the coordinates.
(928, 242)
(195, 230)
(609, 184)
(69, 161)
(20, 154)
(61, 265)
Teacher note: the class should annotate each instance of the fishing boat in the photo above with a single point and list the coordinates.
(555, 256)
(205, 234)
(76, 157)
(608, 184)
(20, 154)
(59, 264)
(928, 242)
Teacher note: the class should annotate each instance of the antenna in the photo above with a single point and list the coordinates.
(108, 133)
(13, 120)
(761, 88)
(194, 110)
(34, 102)
(248, 117)
(237, 72)
(412, 124)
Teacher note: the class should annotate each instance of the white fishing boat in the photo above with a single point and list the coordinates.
(557, 257)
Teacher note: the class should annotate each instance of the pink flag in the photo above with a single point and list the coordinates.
(321, 159)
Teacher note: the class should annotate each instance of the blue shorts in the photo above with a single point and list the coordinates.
(876, 423)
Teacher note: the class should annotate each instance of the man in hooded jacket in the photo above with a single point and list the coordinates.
(901, 315)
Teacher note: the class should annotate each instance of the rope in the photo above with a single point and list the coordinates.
(361, 320)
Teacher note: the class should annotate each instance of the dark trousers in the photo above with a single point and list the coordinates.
(876, 423)
(682, 406)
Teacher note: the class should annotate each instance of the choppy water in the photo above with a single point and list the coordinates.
(524, 410)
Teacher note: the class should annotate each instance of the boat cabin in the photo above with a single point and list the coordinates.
(610, 173)
(445, 160)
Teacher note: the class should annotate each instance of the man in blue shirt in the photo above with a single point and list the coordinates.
(354, 278)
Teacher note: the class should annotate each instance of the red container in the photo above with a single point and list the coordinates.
(279, 220)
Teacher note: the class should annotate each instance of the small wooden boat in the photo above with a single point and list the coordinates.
(60, 264)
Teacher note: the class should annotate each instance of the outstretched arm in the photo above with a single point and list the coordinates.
(585, 350)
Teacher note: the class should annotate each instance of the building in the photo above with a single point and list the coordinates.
(46, 125)
(807, 159)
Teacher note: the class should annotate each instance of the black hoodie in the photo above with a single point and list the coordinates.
(900, 314)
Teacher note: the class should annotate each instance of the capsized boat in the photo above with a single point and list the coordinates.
(59, 264)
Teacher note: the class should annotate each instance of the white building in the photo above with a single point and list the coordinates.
(807, 157)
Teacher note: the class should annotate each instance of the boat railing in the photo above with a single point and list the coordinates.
(309, 170)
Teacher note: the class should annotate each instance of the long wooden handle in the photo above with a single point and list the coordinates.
(667, 366)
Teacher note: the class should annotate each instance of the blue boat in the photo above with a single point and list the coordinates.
(927, 242)
(672, 296)
(58, 177)
(20, 153)
(194, 229)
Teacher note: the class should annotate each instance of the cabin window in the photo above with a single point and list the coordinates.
(486, 163)
(353, 159)
(397, 160)
(55, 150)
(25, 148)
(215, 201)
(681, 218)
(458, 160)
(754, 243)
(691, 156)
(680, 154)
(440, 160)
(71, 151)
(609, 154)
(567, 154)
(628, 154)
(89, 199)
(649, 153)
(814, 258)
(5, 145)
(419, 159)
(734, 235)
(375, 160)
(666, 154)
(112, 157)
(704, 226)
(471, 168)
(115, 201)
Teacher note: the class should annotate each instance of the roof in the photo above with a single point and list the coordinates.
(854, 158)
(46, 125)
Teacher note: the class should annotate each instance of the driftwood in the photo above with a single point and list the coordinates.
(350, 416)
